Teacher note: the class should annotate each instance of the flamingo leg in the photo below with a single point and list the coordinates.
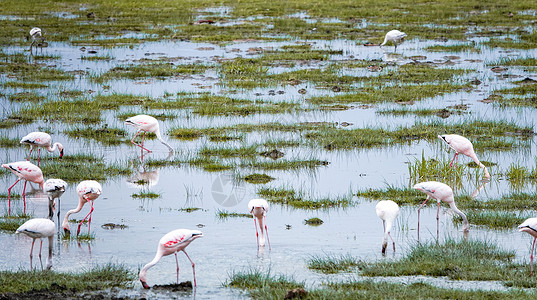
(266, 232)
(31, 253)
(256, 233)
(31, 149)
(89, 214)
(389, 234)
(455, 156)
(419, 215)
(531, 257)
(141, 146)
(177, 264)
(9, 194)
(193, 268)
(38, 156)
(24, 195)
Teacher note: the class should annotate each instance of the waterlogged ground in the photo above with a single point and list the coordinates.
(190, 181)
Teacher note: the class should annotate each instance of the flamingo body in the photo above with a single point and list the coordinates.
(41, 140)
(259, 208)
(146, 123)
(54, 188)
(37, 229)
(387, 211)
(88, 191)
(440, 192)
(26, 171)
(171, 243)
(530, 226)
(463, 146)
(393, 36)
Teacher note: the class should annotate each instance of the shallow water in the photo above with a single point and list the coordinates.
(229, 245)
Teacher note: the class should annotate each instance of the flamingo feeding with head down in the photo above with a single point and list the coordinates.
(88, 191)
(387, 211)
(146, 123)
(54, 188)
(172, 242)
(35, 34)
(393, 36)
(462, 145)
(41, 140)
(440, 192)
(38, 229)
(28, 172)
(259, 208)
(530, 226)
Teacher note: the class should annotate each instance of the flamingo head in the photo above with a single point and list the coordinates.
(145, 285)
(384, 246)
(60, 147)
(66, 229)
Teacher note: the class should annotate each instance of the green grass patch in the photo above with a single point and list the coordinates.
(105, 135)
(73, 170)
(332, 264)
(146, 195)
(298, 199)
(10, 223)
(454, 48)
(224, 214)
(257, 178)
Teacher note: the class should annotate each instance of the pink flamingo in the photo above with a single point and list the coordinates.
(146, 123)
(530, 226)
(54, 188)
(38, 229)
(440, 192)
(387, 211)
(88, 191)
(393, 36)
(172, 242)
(259, 208)
(27, 171)
(462, 145)
(41, 140)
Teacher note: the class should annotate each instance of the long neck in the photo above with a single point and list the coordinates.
(159, 137)
(155, 260)
(460, 213)
(389, 224)
(476, 160)
(53, 148)
(81, 203)
(385, 41)
(49, 258)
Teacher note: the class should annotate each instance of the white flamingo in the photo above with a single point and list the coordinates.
(54, 188)
(462, 145)
(393, 36)
(259, 208)
(387, 211)
(37, 229)
(146, 123)
(530, 226)
(35, 34)
(41, 140)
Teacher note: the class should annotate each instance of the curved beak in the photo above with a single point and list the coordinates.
(144, 284)
(61, 154)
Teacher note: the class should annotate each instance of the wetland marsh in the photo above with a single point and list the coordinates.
(282, 100)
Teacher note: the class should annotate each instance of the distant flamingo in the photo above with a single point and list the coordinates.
(54, 188)
(172, 242)
(259, 208)
(462, 145)
(35, 34)
(387, 211)
(27, 171)
(41, 140)
(87, 190)
(440, 192)
(38, 229)
(393, 36)
(530, 226)
(146, 123)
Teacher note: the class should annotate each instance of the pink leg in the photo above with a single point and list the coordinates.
(193, 268)
(141, 146)
(266, 232)
(419, 215)
(531, 257)
(9, 194)
(38, 156)
(451, 163)
(177, 264)
(91, 210)
(256, 233)
(31, 149)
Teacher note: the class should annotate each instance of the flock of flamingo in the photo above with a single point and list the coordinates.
(177, 240)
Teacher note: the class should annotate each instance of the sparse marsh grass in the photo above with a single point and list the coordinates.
(496, 219)
(333, 263)
(224, 214)
(10, 223)
(82, 237)
(454, 48)
(399, 195)
(7, 142)
(26, 97)
(24, 85)
(257, 178)
(74, 168)
(106, 135)
(226, 152)
(152, 70)
(298, 199)
(431, 169)
(313, 221)
(146, 195)
(96, 278)
(262, 284)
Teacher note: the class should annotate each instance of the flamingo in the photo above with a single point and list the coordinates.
(54, 188)
(35, 34)
(27, 171)
(41, 140)
(259, 208)
(37, 229)
(88, 191)
(462, 145)
(146, 123)
(387, 211)
(394, 36)
(530, 226)
(172, 242)
(440, 192)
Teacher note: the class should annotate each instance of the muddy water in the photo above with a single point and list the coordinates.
(229, 245)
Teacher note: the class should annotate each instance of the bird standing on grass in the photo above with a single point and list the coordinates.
(146, 123)
(440, 192)
(393, 36)
(172, 242)
(26, 171)
(530, 226)
(41, 140)
(259, 208)
(462, 145)
(38, 229)
(88, 191)
(387, 211)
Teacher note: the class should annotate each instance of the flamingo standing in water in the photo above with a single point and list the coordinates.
(172, 242)
(440, 192)
(146, 123)
(41, 140)
(88, 191)
(462, 145)
(387, 211)
(27, 171)
(54, 188)
(393, 36)
(35, 34)
(530, 226)
(38, 229)
(259, 208)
